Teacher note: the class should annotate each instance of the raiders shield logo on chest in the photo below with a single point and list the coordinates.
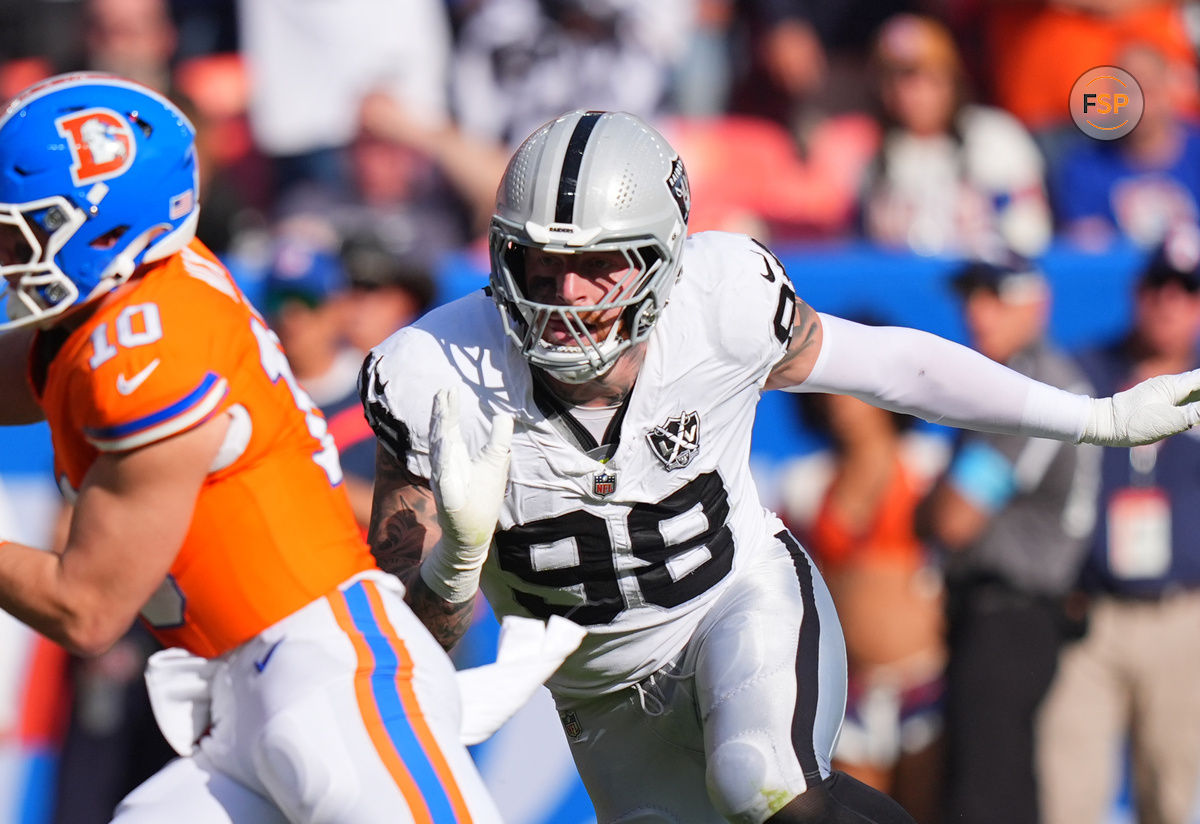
(677, 441)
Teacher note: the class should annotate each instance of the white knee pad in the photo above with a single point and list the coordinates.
(747, 779)
(304, 764)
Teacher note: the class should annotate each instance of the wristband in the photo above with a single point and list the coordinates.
(453, 575)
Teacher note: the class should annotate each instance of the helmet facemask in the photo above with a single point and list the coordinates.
(628, 309)
(37, 288)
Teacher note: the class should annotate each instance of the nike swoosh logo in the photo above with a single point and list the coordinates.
(127, 385)
(262, 664)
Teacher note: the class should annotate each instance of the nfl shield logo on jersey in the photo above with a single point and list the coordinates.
(571, 725)
(675, 443)
(604, 483)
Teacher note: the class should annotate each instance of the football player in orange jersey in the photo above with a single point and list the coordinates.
(207, 493)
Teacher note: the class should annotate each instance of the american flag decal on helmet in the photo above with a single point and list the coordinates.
(182, 204)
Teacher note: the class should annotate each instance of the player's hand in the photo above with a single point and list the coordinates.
(1147, 412)
(528, 653)
(468, 493)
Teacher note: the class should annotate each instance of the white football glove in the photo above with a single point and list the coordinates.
(468, 494)
(529, 652)
(1144, 413)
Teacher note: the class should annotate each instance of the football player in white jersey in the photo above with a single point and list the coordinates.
(622, 365)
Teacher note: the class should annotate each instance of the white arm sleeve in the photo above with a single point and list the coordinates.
(918, 373)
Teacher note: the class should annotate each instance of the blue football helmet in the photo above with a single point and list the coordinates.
(97, 176)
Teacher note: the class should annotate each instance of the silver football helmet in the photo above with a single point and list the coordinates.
(589, 181)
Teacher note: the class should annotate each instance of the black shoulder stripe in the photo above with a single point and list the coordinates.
(392, 432)
(568, 180)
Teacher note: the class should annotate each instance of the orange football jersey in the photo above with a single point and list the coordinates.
(273, 530)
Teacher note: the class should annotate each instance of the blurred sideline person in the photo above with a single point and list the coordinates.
(205, 491)
(303, 109)
(1031, 52)
(1012, 515)
(307, 303)
(387, 290)
(1149, 181)
(712, 680)
(1132, 677)
(395, 191)
(136, 39)
(950, 177)
(330, 301)
(889, 600)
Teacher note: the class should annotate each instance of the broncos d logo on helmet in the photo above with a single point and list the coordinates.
(101, 143)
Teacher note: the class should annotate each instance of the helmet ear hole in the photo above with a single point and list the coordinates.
(109, 239)
(145, 127)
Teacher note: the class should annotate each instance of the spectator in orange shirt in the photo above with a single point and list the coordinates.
(888, 597)
(1037, 49)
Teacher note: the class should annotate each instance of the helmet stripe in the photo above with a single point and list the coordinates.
(568, 180)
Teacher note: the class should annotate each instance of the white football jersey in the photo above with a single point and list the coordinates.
(632, 539)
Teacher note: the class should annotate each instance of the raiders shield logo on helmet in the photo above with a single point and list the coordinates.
(677, 182)
(675, 443)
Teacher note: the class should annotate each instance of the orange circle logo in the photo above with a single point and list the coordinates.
(1106, 103)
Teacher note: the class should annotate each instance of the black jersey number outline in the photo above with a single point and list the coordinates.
(785, 310)
(595, 575)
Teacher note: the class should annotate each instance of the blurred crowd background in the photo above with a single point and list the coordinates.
(910, 161)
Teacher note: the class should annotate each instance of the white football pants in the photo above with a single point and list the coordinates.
(346, 712)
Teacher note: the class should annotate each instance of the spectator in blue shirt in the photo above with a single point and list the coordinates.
(1144, 183)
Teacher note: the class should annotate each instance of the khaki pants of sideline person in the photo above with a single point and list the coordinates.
(1135, 675)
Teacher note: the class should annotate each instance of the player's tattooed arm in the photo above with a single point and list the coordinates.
(403, 529)
(448, 622)
(801, 356)
(403, 518)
